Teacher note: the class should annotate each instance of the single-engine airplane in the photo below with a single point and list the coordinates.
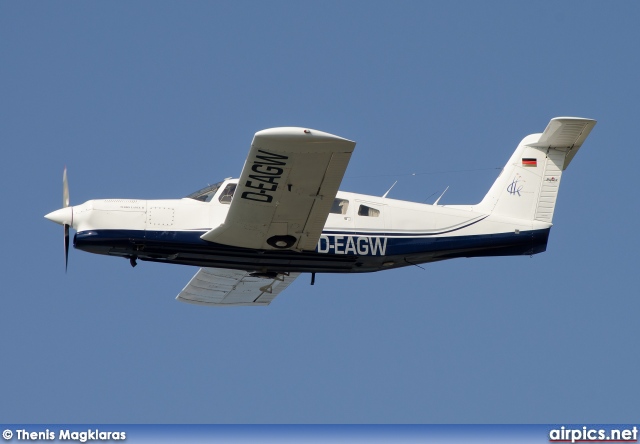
(284, 216)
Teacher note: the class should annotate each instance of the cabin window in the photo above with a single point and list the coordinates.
(227, 193)
(368, 211)
(339, 206)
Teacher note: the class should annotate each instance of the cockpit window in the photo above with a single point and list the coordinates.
(339, 206)
(227, 193)
(206, 194)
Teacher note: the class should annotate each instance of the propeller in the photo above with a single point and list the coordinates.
(65, 204)
(64, 216)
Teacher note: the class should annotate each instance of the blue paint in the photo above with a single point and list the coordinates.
(337, 251)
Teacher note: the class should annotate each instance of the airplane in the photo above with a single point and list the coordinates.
(253, 236)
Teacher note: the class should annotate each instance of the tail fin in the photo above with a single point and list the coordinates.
(528, 186)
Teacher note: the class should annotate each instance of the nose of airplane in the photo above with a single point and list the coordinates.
(63, 216)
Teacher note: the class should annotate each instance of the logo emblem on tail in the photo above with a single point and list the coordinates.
(515, 186)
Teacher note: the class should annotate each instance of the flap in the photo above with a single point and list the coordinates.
(285, 191)
(220, 287)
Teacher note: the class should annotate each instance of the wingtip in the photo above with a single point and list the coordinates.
(582, 119)
(302, 134)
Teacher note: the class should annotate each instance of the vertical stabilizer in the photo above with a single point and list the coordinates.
(527, 187)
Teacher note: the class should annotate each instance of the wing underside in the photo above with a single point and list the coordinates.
(286, 189)
(220, 287)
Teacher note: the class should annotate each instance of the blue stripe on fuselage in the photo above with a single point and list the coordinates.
(336, 243)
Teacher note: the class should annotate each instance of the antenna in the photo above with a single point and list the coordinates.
(385, 194)
(438, 199)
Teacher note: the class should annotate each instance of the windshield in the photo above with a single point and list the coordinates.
(205, 194)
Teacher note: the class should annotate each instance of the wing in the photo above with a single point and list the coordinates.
(220, 287)
(285, 191)
(566, 132)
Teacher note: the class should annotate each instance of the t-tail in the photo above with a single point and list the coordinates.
(528, 186)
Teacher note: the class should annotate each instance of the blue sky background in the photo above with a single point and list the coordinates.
(158, 99)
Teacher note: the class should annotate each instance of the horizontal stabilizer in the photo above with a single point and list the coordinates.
(565, 132)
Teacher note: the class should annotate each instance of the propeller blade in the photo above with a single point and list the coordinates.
(65, 189)
(65, 204)
(66, 247)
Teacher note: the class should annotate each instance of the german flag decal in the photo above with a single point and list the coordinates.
(527, 162)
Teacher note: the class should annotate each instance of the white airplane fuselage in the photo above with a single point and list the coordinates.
(364, 234)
